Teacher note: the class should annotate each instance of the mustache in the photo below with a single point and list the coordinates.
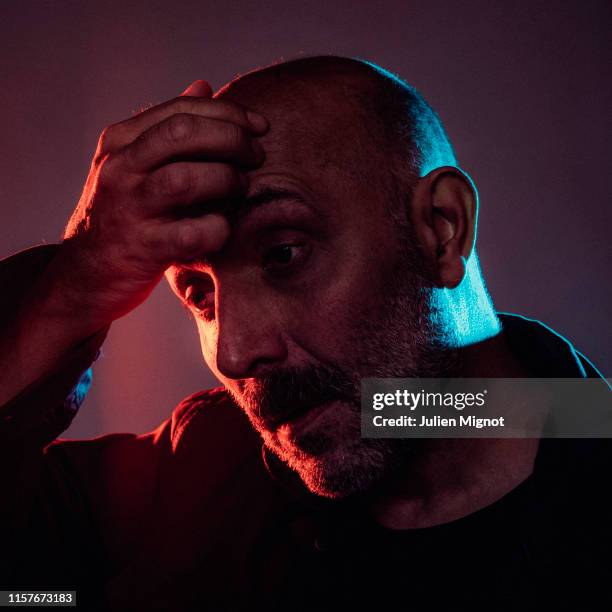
(286, 394)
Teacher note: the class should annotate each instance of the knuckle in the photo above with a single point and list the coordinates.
(99, 161)
(105, 144)
(128, 155)
(186, 238)
(179, 127)
(106, 138)
(107, 171)
(174, 180)
(151, 239)
(235, 136)
(112, 180)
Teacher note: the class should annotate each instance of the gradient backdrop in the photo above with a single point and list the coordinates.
(523, 88)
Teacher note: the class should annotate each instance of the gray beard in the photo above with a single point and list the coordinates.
(409, 347)
(404, 340)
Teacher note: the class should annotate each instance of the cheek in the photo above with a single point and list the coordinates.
(208, 343)
(340, 305)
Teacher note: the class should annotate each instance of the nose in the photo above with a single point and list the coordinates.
(249, 335)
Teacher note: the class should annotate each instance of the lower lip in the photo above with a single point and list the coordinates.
(294, 427)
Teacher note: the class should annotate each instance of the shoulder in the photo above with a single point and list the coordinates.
(543, 350)
(207, 441)
(209, 418)
(209, 415)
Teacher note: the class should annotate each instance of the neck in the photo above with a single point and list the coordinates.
(466, 313)
(456, 477)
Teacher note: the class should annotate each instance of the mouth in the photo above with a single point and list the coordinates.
(298, 425)
(291, 412)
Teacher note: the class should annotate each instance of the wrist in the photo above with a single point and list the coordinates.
(57, 308)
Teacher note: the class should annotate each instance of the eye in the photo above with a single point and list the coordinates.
(283, 256)
(200, 298)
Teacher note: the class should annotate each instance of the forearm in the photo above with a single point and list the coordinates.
(38, 339)
(44, 355)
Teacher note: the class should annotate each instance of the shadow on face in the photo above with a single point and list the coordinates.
(315, 287)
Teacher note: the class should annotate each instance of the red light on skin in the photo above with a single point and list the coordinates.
(292, 429)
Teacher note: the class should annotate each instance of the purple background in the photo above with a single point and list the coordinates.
(521, 87)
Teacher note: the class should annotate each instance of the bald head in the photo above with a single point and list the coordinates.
(315, 287)
(364, 115)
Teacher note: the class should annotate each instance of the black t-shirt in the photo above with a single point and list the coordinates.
(114, 517)
(543, 546)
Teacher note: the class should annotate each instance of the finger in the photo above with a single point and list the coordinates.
(187, 239)
(187, 136)
(199, 88)
(125, 132)
(206, 107)
(118, 135)
(174, 187)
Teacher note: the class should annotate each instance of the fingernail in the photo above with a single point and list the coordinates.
(257, 121)
(199, 88)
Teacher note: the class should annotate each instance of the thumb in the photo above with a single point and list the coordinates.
(199, 88)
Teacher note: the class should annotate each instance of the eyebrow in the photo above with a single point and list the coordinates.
(239, 209)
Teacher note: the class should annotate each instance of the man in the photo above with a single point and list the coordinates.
(314, 219)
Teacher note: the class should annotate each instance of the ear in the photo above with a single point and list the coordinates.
(444, 215)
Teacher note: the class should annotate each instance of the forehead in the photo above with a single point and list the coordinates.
(316, 126)
(319, 152)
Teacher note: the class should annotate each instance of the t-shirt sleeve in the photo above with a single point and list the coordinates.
(78, 510)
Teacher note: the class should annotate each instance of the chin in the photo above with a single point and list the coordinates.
(336, 470)
(328, 453)
(327, 478)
